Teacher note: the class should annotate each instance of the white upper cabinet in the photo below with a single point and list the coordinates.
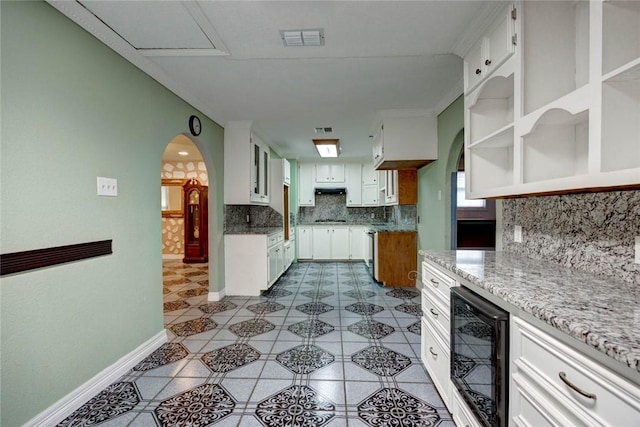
(491, 50)
(330, 173)
(286, 172)
(560, 111)
(306, 184)
(404, 139)
(246, 175)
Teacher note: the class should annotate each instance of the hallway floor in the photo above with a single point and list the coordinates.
(325, 346)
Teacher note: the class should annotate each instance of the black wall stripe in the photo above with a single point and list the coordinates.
(28, 260)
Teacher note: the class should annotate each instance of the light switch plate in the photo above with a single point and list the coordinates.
(517, 234)
(637, 250)
(107, 186)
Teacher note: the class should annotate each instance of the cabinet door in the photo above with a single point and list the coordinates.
(256, 170)
(357, 241)
(321, 242)
(264, 178)
(499, 43)
(354, 184)
(391, 187)
(323, 172)
(370, 195)
(306, 196)
(304, 240)
(337, 173)
(473, 67)
(340, 243)
(272, 256)
(286, 172)
(369, 174)
(378, 147)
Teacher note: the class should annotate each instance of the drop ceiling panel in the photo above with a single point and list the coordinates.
(151, 24)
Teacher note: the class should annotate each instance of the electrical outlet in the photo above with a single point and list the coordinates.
(517, 234)
(637, 250)
(107, 186)
(373, 215)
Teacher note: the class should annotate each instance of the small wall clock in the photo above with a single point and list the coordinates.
(195, 127)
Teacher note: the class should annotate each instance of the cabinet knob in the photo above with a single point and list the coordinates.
(433, 353)
(435, 313)
(434, 282)
(487, 62)
(478, 71)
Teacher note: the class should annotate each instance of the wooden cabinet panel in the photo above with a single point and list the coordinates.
(408, 187)
(397, 258)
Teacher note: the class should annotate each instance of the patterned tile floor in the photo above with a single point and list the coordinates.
(325, 346)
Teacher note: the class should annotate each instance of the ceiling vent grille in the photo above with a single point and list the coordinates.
(312, 37)
(323, 130)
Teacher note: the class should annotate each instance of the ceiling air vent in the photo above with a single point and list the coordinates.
(323, 130)
(312, 37)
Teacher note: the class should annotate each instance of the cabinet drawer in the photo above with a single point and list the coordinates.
(436, 280)
(275, 238)
(435, 356)
(539, 359)
(437, 312)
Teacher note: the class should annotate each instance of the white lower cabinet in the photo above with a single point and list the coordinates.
(252, 262)
(554, 385)
(288, 254)
(435, 342)
(436, 358)
(331, 242)
(462, 415)
(304, 242)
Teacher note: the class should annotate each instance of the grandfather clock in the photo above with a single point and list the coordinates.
(196, 230)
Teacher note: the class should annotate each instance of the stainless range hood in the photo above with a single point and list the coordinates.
(338, 190)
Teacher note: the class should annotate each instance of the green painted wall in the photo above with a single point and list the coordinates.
(72, 110)
(434, 187)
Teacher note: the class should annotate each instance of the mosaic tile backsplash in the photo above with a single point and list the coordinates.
(593, 232)
(259, 216)
(334, 206)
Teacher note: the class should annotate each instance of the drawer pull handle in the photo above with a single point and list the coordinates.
(435, 282)
(575, 388)
(435, 313)
(433, 353)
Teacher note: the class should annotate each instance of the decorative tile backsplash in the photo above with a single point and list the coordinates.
(259, 216)
(593, 232)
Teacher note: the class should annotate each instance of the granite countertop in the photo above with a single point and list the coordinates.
(243, 229)
(601, 312)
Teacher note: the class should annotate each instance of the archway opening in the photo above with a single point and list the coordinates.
(183, 282)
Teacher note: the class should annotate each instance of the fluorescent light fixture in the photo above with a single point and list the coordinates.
(311, 37)
(183, 153)
(327, 147)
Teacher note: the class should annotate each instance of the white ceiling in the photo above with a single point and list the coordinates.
(227, 59)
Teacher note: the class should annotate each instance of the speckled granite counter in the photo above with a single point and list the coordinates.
(239, 229)
(600, 312)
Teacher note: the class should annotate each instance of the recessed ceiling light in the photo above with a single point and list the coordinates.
(311, 37)
(183, 153)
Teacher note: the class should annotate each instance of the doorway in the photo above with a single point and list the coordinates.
(473, 222)
(182, 282)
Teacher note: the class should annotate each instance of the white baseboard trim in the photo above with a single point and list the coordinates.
(78, 397)
(216, 296)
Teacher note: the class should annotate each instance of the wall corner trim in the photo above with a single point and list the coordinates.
(216, 296)
(78, 397)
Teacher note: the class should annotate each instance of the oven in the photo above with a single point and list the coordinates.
(479, 356)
